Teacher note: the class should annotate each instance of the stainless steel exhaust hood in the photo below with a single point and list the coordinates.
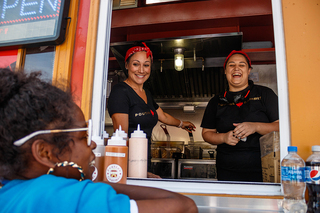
(202, 76)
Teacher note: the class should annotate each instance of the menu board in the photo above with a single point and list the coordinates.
(33, 22)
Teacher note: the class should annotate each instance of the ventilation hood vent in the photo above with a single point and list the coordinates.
(212, 48)
(202, 76)
(124, 4)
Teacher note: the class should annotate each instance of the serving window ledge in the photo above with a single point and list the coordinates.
(211, 187)
(222, 196)
(212, 204)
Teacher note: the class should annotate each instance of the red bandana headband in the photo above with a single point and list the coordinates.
(135, 49)
(236, 52)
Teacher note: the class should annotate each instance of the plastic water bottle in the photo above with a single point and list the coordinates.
(313, 180)
(293, 182)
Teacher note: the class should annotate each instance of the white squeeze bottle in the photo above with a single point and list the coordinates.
(293, 182)
(138, 154)
(122, 134)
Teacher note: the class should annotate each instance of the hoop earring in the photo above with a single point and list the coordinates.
(66, 163)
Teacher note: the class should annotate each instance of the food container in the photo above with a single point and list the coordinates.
(166, 149)
(155, 152)
(208, 150)
(195, 152)
(168, 152)
(270, 157)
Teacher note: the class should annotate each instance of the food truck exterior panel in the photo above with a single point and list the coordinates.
(79, 57)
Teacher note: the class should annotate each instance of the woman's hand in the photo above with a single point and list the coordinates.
(244, 129)
(188, 126)
(215, 138)
(230, 139)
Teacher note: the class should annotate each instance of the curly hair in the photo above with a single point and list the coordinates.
(28, 104)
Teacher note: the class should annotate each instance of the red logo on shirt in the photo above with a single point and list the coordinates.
(239, 104)
(152, 113)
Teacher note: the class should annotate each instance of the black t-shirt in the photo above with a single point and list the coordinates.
(123, 99)
(261, 105)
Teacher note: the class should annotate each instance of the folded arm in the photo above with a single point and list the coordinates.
(241, 130)
(245, 129)
(154, 200)
(215, 138)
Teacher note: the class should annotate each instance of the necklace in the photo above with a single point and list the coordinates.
(236, 98)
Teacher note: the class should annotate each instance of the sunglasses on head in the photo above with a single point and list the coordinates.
(21, 141)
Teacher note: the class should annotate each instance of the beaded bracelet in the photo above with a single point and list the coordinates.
(180, 125)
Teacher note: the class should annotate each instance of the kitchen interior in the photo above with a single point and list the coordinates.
(185, 93)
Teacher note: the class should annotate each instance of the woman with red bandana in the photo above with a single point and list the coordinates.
(235, 120)
(131, 104)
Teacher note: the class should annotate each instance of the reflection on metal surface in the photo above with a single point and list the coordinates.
(211, 187)
(197, 169)
(208, 204)
(165, 168)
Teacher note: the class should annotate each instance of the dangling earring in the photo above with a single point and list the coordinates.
(66, 163)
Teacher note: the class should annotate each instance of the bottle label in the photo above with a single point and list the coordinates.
(95, 174)
(312, 174)
(114, 173)
(295, 174)
(115, 154)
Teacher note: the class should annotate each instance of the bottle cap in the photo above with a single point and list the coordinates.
(117, 140)
(316, 148)
(138, 133)
(105, 134)
(122, 133)
(292, 149)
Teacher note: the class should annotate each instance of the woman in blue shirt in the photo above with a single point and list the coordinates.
(46, 157)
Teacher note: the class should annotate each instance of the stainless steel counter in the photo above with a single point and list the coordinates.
(210, 204)
(230, 204)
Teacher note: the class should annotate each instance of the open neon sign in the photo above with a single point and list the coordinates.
(33, 22)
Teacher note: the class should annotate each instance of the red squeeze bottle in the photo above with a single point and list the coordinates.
(116, 160)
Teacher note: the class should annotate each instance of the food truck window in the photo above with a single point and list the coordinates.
(40, 58)
(204, 185)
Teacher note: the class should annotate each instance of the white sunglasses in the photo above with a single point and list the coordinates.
(28, 137)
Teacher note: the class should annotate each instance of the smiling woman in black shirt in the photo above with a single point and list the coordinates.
(130, 104)
(237, 118)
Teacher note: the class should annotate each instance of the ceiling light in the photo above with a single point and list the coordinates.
(178, 59)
